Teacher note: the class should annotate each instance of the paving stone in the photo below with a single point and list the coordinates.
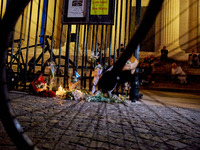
(176, 144)
(157, 139)
(130, 138)
(80, 147)
(145, 136)
(105, 146)
(93, 144)
(84, 141)
(141, 130)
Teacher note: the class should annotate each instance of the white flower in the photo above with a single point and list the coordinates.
(93, 56)
(98, 66)
(77, 95)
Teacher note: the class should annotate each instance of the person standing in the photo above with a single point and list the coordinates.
(192, 54)
(164, 54)
(193, 60)
(190, 60)
(120, 50)
(98, 48)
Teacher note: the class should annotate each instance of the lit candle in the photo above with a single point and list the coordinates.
(60, 91)
(60, 88)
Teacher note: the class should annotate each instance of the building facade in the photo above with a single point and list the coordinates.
(176, 27)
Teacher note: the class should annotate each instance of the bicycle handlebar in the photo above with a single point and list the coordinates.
(17, 40)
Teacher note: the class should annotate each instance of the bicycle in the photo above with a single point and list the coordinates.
(18, 59)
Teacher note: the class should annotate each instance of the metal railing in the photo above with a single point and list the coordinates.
(72, 55)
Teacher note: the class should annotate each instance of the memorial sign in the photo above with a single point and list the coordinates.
(76, 9)
(99, 7)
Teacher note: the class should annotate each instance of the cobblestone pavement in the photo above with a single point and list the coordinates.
(161, 120)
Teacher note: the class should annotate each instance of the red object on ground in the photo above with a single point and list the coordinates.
(40, 91)
(39, 80)
(48, 94)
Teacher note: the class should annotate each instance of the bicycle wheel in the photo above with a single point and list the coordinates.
(11, 124)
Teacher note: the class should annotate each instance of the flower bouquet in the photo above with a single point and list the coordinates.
(39, 87)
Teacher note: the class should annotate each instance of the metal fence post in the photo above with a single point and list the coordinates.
(134, 92)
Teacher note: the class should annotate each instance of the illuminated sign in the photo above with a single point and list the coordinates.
(99, 7)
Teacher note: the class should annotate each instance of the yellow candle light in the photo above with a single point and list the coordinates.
(60, 91)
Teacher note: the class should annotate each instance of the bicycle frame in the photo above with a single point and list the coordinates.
(20, 61)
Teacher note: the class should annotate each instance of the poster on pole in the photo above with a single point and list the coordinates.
(76, 9)
(99, 7)
(88, 12)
